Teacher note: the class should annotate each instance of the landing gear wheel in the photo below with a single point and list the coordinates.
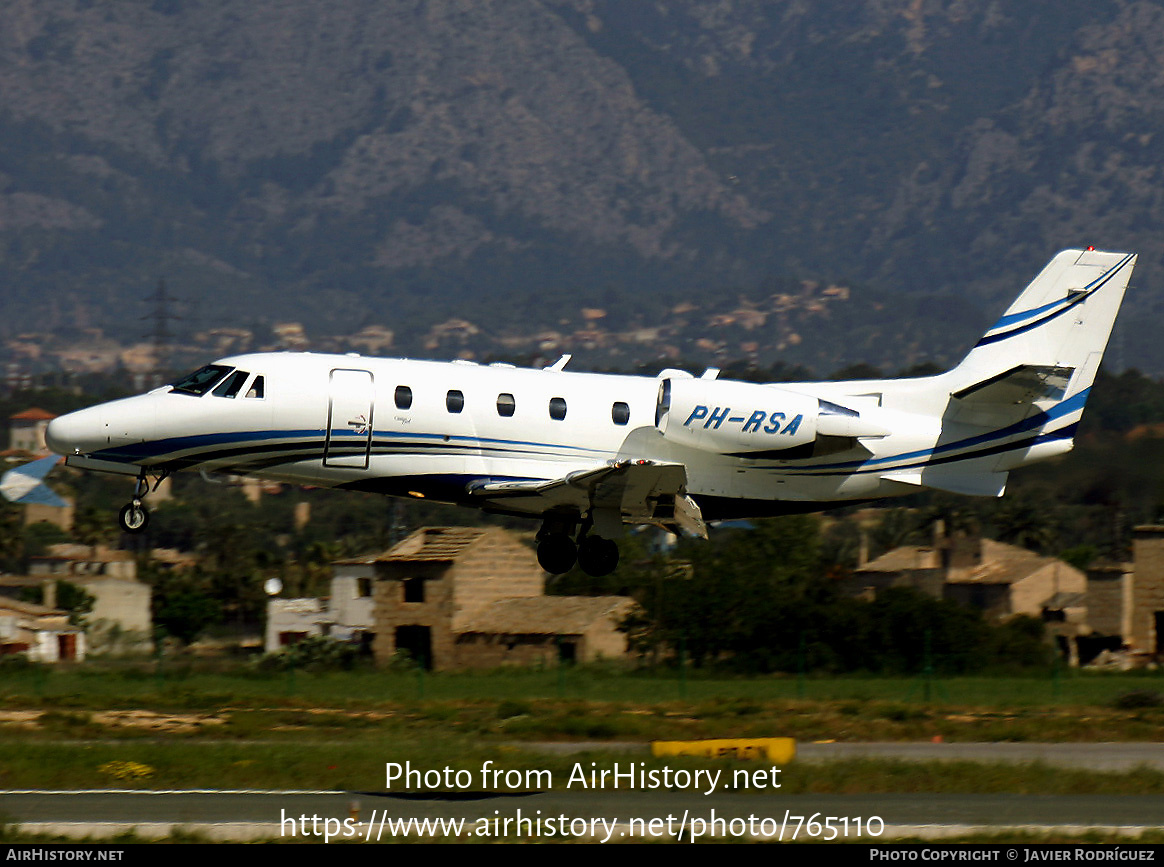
(134, 518)
(597, 556)
(557, 553)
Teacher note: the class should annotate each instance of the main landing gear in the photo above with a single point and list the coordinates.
(134, 517)
(558, 552)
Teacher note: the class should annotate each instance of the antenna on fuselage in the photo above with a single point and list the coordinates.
(560, 364)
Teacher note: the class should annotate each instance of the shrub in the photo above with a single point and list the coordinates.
(315, 653)
(1139, 698)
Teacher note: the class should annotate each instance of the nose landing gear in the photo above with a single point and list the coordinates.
(134, 517)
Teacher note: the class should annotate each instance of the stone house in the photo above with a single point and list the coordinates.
(454, 597)
(1007, 580)
(462, 597)
(999, 580)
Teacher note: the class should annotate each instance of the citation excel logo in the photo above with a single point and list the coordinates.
(754, 423)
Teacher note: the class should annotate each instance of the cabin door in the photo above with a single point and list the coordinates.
(351, 399)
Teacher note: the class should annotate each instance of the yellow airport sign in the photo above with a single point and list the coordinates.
(779, 751)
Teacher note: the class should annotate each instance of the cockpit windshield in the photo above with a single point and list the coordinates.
(202, 380)
(232, 384)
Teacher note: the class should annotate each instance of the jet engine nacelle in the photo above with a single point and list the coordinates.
(747, 420)
(734, 417)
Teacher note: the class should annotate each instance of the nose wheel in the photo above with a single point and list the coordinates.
(134, 517)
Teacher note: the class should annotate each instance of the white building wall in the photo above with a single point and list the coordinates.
(351, 598)
(45, 649)
(293, 615)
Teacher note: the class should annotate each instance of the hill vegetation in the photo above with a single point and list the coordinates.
(398, 163)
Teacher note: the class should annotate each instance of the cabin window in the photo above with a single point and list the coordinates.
(202, 380)
(506, 405)
(557, 408)
(455, 400)
(231, 385)
(257, 388)
(403, 397)
(620, 412)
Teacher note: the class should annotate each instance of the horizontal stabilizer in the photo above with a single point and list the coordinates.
(25, 484)
(955, 479)
(1019, 385)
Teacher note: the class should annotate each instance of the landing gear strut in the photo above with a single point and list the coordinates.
(134, 517)
(558, 552)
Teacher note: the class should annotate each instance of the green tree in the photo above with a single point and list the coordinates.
(11, 536)
(185, 613)
(39, 536)
(739, 591)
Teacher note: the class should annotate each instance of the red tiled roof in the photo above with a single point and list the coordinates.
(34, 414)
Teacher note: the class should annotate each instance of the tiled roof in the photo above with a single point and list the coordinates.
(434, 543)
(901, 559)
(34, 414)
(442, 544)
(1002, 564)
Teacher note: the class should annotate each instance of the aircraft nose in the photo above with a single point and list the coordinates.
(76, 432)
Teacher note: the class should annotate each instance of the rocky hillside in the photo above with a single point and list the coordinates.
(513, 162)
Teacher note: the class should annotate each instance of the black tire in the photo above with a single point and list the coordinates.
(598, 556)
(557, 553)
(133, 518)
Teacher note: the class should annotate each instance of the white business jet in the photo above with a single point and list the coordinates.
(589, 453)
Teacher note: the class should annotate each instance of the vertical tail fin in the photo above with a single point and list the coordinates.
(1059, 325)
(1018, 395)
(1025, 383)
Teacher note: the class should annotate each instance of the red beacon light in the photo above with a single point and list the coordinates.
(1090, 248)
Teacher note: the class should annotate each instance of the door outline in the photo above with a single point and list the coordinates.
(353, 393)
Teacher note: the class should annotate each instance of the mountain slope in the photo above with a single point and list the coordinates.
(364, 162)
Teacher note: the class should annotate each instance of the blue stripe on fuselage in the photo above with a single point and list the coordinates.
(134, 453)
(1071, 404)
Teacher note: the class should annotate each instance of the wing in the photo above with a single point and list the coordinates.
(639, 492)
